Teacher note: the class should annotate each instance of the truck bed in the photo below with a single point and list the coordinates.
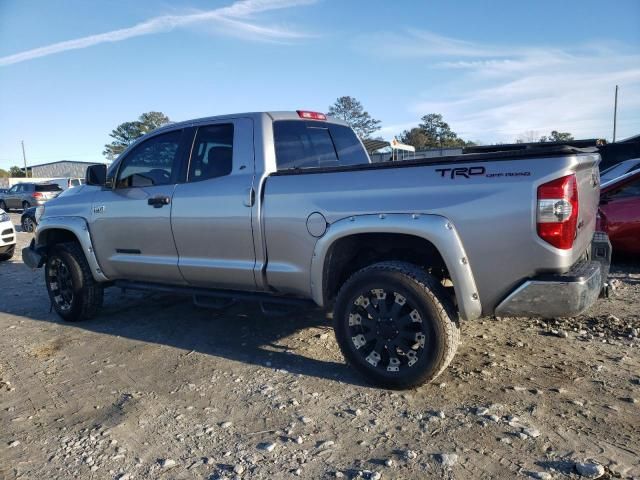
(489, 198)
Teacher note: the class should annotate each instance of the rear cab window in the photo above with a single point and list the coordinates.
(52, 187)
(313, 144)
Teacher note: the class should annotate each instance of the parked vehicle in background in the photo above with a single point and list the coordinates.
(619, 169)
(286, 207)
(65, 183)
(26, 195)
(3, 190)
(31, 216)
(7, 236)
(28, 220)
(619, 214)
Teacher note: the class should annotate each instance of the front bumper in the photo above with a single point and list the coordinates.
(31, 257)
(7, 234)
(565, 294)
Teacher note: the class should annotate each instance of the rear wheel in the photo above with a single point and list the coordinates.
(28, 225)
(74, 294)
(396, 325)
(26, 205)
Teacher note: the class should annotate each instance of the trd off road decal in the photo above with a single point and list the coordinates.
(468, 172)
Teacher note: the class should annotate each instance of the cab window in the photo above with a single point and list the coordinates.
(153, 162)
(212, 154)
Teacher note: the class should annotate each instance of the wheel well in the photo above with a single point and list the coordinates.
(56, 235)
(349, 254)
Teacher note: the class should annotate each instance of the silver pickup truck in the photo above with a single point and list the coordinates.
(286, 208)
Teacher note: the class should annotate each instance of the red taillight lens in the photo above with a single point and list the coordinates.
(557, 214)
(36, 195)
(311, 115)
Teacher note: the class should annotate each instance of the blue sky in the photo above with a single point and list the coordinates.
(71, 70)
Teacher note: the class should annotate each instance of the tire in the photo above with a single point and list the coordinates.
(25, 205)
(401, 340)
(73, 292)
(3, 206)
(28, 225)
(8, 255)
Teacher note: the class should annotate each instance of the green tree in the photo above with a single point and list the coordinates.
(126, 133)
(557, 136)
(351, 111)
(417, 138)
(4, 173)
(16, 172)
(433, 132)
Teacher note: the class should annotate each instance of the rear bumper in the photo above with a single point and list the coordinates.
(562, 295)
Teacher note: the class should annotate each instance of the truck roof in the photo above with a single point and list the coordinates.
(274, 115)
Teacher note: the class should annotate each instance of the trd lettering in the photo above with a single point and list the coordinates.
(465, 172)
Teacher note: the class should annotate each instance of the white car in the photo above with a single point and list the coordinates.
(68, 182)
(7, 236)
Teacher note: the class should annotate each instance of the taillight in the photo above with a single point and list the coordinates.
(311, 115)
(557, 214)
(36, 195)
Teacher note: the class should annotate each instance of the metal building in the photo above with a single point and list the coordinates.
(60, 169)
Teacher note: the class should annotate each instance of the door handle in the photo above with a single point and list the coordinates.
(250, 198)
(159, 202)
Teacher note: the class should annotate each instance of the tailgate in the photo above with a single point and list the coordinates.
(588, 179)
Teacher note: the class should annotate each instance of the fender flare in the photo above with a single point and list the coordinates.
(79, 228)
(436, 229)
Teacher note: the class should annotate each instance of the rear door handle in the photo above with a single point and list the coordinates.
(250, 198)
(159, 202)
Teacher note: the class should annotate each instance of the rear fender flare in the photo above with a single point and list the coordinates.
(435, 228)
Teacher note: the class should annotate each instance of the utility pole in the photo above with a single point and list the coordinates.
(615, 114)
(24, 158)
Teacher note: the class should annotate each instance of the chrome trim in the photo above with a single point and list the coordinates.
(554, 298)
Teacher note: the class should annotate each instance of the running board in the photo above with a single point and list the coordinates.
(196, 292)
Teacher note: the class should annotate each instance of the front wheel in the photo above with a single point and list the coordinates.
(3, 206)
(74, 294)
(396, 325)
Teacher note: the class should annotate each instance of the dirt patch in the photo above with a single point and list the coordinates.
(48, 349)
(157, 388)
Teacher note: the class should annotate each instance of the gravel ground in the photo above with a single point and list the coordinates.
(158, 388)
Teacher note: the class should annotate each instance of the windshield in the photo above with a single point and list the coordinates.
(619, 169)
(48, 188)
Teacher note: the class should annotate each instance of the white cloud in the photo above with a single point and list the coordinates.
(495, 93)
(233, 17)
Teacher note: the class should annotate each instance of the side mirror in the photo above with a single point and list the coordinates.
(96, 175)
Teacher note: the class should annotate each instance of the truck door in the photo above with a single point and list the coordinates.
(211, 214)
(11, 198)
(131, 222)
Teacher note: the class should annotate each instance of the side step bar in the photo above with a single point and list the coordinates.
(198, 293)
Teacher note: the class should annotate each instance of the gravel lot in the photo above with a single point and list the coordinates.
(158, 388)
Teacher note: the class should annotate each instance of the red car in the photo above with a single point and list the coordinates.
(619, 213)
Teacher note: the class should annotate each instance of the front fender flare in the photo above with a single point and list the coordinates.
(434, 228)
(79, 228)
